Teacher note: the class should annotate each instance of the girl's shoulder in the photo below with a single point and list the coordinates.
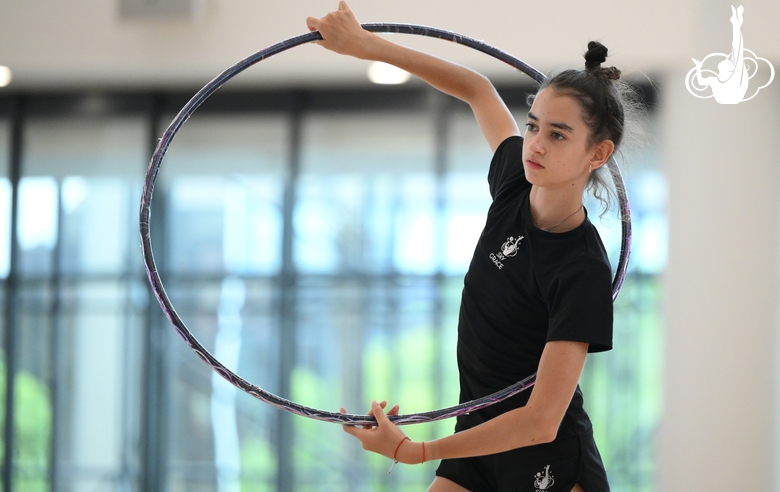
(507, 164)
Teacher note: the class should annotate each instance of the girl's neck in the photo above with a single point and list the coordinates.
(556, 210)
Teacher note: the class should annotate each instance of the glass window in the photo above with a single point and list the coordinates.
(99, 418)
(37, 219)
(467, 197)
(93, 167)
(33, 323)
(220, 197)
(78, 202)
(96, 145)
(366, 194)
(224, 181)
(5, 198)
(359, 340)
(103, 207)
(5, 238)
(384, 219)
(623, 386)
(648, 200)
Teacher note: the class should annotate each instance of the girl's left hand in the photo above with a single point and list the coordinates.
(384, 438)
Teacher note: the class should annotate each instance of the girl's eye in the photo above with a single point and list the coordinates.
(558, 136)
(530, 127)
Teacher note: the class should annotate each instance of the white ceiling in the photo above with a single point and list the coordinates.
(62, 44)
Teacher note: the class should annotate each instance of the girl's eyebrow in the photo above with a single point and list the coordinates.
(561, 126)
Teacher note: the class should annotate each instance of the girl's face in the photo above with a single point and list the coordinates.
(556, 152)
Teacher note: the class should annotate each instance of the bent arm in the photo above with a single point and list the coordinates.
(703, 81)
(342, 34)
(699, 78)
(537, 422)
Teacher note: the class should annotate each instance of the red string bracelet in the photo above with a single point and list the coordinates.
(423, 445)
(396, 453)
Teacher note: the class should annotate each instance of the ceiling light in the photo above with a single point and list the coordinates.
(382, 73)
(5, 76)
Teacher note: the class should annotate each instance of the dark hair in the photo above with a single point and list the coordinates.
(604, 101)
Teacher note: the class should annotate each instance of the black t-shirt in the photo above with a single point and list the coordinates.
(525, 287)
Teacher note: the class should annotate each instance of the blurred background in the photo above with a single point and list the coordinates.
(312, 228)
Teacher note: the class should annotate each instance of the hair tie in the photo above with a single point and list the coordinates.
(611, 73)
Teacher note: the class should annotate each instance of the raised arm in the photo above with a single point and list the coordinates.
(341, 33)
(536, 423)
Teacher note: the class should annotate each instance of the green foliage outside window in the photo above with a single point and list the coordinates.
(33, 417)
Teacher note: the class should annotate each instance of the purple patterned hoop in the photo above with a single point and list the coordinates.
(259, 393)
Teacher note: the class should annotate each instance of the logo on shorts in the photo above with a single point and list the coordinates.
(508, 250)
(543, 480)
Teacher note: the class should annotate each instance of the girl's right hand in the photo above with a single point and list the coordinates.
(385, 438)
(341, 32)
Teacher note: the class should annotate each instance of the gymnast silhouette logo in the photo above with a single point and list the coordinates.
(508, 250)
(730, 84)
(543, 481)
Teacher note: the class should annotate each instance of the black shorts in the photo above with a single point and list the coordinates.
(552, 467)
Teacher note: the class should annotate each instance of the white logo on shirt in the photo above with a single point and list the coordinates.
(508, 250)
(543, 481)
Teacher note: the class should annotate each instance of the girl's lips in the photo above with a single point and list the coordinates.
(533, 164)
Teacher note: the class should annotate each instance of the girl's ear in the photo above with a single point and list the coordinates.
(601, 153)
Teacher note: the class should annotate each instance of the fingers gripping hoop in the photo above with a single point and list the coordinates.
(259, 393)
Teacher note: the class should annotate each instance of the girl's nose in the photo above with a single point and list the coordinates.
(535, 143)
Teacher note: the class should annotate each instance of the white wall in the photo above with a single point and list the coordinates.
(85, 42)
(721, 297)
(723, 163)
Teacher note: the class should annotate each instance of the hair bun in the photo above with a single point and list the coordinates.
(595, 56)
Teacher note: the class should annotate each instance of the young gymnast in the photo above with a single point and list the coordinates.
(537, 296)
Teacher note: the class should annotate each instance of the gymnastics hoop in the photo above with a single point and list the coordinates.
(270, 398)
